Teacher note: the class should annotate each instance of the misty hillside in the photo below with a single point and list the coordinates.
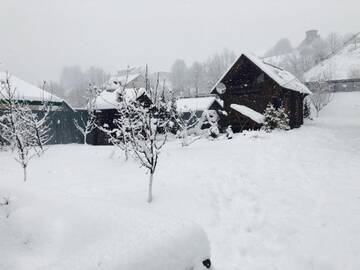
(315, 51)
(343, 65)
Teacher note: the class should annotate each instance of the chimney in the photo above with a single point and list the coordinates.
(312, 35)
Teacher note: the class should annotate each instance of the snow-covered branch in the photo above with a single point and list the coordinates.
(89, 124)
(141, 130)
(22, 129)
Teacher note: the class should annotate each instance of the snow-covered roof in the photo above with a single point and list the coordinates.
(109, 99)
(246, 111)
(341, 66)
(122, 80)
(279, 75)
(196, 103)
(25, 90)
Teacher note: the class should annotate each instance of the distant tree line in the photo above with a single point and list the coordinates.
(182, 80)
(74, 83)
(199, 77)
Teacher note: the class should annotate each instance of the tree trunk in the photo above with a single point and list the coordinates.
(150, 197)
(126, 154)
(25, 172)
(85, 139)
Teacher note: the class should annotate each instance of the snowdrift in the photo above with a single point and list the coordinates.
(43, 231)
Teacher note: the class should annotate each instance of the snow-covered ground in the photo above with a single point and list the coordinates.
(285, 200)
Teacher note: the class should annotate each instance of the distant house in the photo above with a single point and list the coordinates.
(127, 78)
(251, 84)
(203, 107)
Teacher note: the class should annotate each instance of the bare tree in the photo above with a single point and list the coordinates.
(39, 129)
(334, 42)
(137, 129)
(179, 76)
(16, 128)
(85, 126)
(321, 95)
(197, 77)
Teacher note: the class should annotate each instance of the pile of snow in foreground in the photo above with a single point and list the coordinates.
(42, 231)
(284, 200)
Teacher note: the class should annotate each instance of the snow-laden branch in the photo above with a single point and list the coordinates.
(87, 126)
(141, 129)
(24, 131)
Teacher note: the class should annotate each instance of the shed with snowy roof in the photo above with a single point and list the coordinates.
(61, 115)
(253, 83)
(107, 104)
(28, 93)
(208, 109)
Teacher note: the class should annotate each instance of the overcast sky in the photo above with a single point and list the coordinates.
(39, 37)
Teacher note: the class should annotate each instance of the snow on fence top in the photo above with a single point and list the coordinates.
(195, 103)
(281, 76)
(26, 91)
(342, 66)
(110, 99)
(246, 111)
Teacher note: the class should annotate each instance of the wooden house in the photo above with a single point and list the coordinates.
(252, 84)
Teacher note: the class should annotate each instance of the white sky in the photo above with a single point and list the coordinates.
(39, 37)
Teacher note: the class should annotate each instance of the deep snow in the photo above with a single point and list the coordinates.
(285, 200)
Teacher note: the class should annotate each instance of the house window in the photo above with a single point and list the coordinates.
(260, 79)
(276, 101)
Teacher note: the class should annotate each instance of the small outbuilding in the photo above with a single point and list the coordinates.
(61, 115)
(251, 84)
(107, 105)
(206, 108)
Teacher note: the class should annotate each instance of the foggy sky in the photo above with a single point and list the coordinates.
(39, 37)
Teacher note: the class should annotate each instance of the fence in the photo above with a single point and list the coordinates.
(63, 130)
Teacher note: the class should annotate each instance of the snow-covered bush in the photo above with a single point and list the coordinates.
(186, 122)
(214, 131)
(275, 119)
(307, 109)
(212, 118)
(229, 132)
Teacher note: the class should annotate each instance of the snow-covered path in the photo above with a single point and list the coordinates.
(267, 201)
